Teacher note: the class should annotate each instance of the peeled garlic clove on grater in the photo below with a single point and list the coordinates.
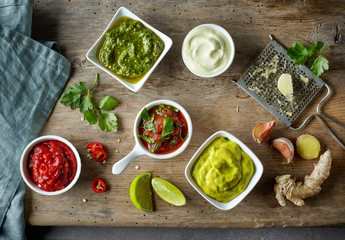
(285, 147)
(285, 85)
(262, 131)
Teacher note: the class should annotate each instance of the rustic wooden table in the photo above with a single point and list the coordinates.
(211, 103)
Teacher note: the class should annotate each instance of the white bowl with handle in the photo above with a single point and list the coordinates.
(139, 149)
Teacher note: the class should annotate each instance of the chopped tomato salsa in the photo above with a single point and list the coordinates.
(162, 129)
(52, 165)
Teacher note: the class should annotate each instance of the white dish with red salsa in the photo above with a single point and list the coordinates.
(162, 129)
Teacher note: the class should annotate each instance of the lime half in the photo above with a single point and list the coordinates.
(168, 192)
(140, 192)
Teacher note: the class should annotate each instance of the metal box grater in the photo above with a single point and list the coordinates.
(260, 82)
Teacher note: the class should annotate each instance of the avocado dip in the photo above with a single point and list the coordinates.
(130, 49)
(223, 171)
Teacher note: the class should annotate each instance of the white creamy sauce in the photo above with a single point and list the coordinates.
(206, 51)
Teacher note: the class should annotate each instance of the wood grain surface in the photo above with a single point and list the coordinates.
(211, 103)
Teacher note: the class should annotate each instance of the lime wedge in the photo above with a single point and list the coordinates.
(140, 192)
(168, 192)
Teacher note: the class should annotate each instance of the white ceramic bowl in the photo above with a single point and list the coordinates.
(228, 37)
(92, 53)
(140, 149)
(255, 179)
(24, 164)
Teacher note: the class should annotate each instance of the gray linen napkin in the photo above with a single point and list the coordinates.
(32, 77)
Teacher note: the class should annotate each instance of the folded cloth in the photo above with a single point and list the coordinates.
(32, 77)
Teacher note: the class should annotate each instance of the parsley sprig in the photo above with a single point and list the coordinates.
(78, 96)
(300, 54)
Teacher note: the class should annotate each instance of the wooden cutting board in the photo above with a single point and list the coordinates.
(212, 104)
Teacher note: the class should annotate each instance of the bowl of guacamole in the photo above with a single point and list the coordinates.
(129, 49)
(224, 170)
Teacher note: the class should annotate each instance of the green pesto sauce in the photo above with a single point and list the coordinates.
(130, 49)
(223, 171)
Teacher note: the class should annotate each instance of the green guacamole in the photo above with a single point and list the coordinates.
(223, 171)
(130, 49)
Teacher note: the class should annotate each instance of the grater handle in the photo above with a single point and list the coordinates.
(323, 124)
(320, 120)
(324, 115)
(330, 132)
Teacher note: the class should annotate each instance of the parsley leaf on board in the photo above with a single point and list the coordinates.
(72, 96)
(300, 53)
(75, 99)
(86, 104)
(107, 103)
(318, 65)
(90, 116)
(107, 122)
(147, 139)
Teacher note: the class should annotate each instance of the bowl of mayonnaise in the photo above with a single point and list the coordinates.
(208, 50)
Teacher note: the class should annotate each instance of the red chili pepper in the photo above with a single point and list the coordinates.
(99, 154)
(98, 185)
(91, 146)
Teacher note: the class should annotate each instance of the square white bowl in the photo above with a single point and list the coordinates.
(92, 53)
(255, 179)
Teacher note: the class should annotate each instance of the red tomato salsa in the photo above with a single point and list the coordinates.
(162, 129)
(52, 165)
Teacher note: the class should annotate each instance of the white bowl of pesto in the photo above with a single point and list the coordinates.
(208, 50)
(124, 56)
(224, 170)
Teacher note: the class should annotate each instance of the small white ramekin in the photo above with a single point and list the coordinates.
(232, 49)
(92, 53)
(255, 179)
(24, 164)
(140, 149)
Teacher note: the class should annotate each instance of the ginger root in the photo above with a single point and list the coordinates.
(286, 187)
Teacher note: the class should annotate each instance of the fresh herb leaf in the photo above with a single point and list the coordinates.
(300, 53)
(75, 99)
(147, 139)
(90, 116)
(72, 96)
(107, 103)
(318, 65)
(107, 122)
(149, 126)
(144, 114)
(319, 45)
(86, 104)
(168, 126)
(155, 147)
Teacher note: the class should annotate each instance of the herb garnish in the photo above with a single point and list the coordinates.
(168, 126)
(144, 114)
(147, 139)
(78, 96)
(300, 53)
